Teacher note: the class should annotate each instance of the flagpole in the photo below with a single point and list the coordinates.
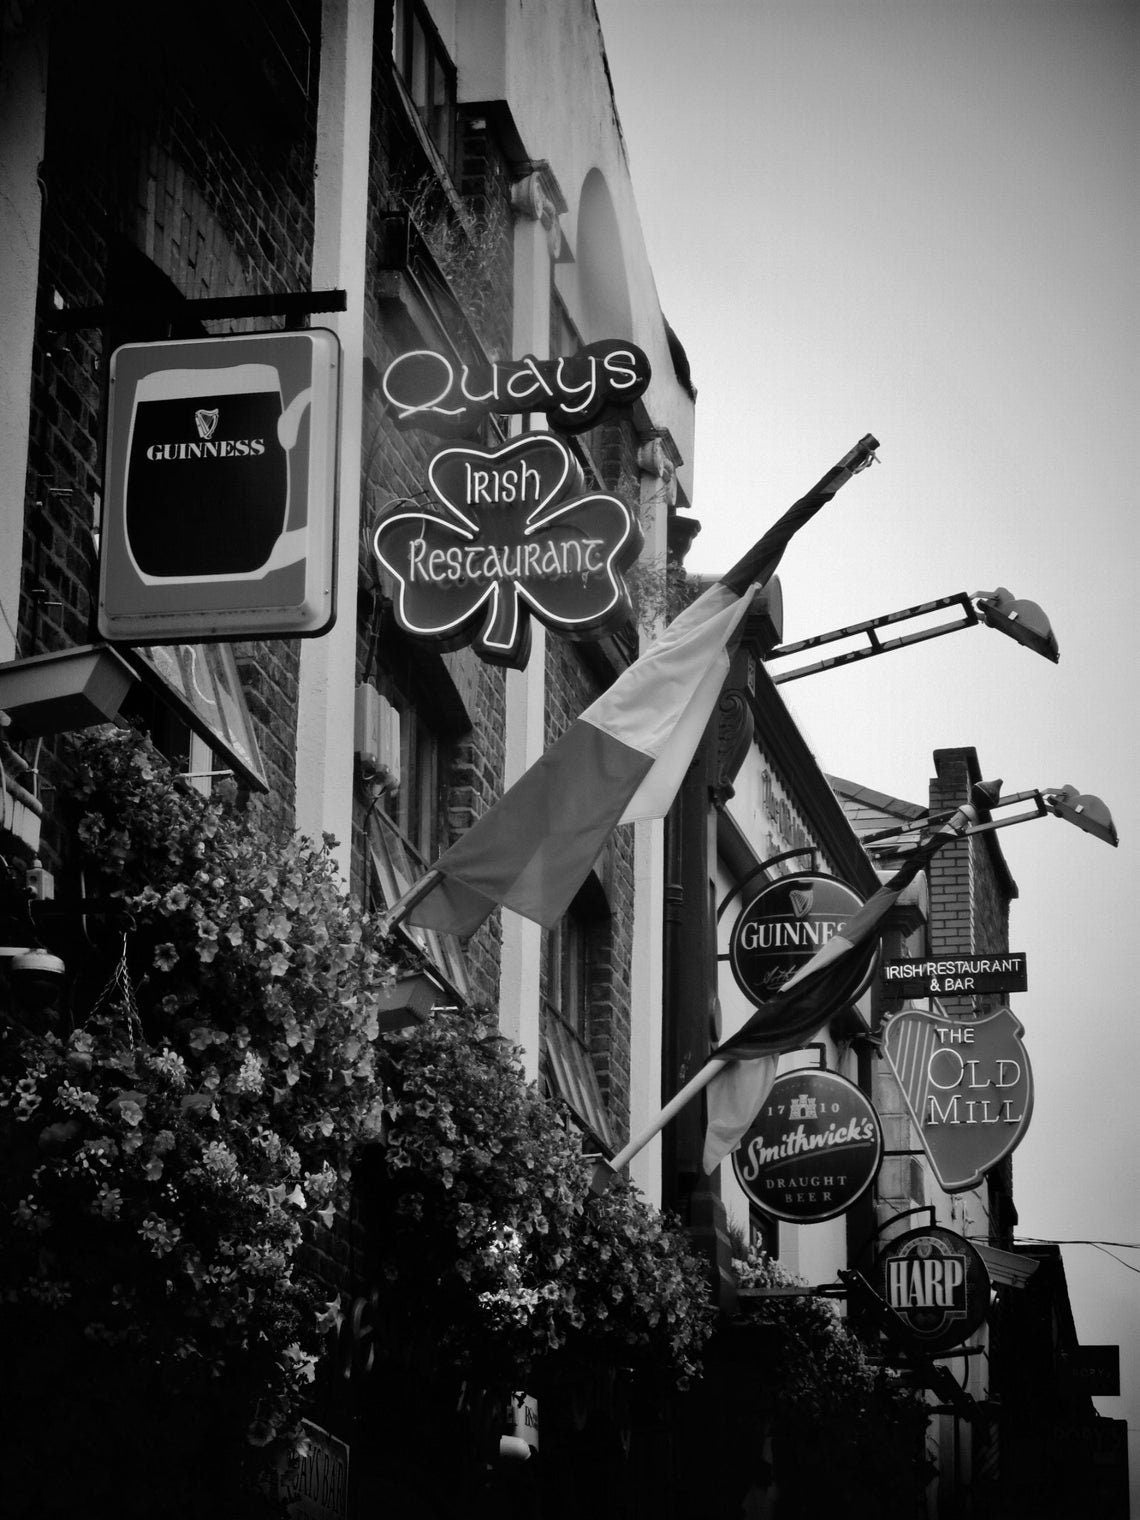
(404, 905)
(605, 1172)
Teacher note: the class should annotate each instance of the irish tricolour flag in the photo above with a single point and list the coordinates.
(621, 761)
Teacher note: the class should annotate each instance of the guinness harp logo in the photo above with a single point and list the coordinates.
(784, 925)
(206, 422)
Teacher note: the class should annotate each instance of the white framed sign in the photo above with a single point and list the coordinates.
(219, 520)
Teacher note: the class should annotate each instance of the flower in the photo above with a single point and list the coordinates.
(220, 1160)
(251, 1076)
(170, 1065)
(165, 956)
(77, 1099)
(159, 1235)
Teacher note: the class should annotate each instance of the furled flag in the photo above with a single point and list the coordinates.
(747, 1060)
(622, 760)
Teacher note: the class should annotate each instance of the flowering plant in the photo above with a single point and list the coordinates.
(493, 1231)
(845, 1429)
(170, 1154)
(220, 1084)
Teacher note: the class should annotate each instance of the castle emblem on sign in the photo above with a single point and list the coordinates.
(802, 1106)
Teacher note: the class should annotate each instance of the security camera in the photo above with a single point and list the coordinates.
(36, 976)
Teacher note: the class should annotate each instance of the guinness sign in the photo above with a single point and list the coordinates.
(937, 1284)
(813, 1149)
(219, 521)
(783, 927)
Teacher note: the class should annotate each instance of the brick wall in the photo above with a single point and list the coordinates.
(160, 175)
(969, 896)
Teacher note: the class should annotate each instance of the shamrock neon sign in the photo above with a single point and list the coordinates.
(509, 534)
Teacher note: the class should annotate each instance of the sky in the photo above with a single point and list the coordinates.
(920, 219)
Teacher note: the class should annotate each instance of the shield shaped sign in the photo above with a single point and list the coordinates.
(968, 1086)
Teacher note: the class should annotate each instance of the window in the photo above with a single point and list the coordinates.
(428, 73)
(567, 973)
(199, 709)
(764, 1233)
(575, 948)
(396, 866)
(416, 807)
(406, 826)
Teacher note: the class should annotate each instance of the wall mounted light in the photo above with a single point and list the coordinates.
(1000, 609)
(1088, 813)
(74, 688)
(35, 975)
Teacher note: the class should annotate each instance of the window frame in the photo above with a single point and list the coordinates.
(428, 74)
(396, 866)
(569, 957)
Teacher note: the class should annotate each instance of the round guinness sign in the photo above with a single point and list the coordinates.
(812, 1150)
(937, 1283)
(783, 927)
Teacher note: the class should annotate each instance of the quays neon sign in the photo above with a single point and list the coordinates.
(510, 533)
(428, 390)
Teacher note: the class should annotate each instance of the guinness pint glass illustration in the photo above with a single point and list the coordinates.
(208, 480)
(220, 513)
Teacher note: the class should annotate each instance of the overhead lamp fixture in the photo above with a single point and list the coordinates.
(1084, 810)
(1018, 619)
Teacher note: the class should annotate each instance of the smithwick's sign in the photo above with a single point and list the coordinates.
(219, 520)
(964, 974)
(428, 390)
(512, 534)
(783, 927)
(814, 1148)
(937, 1284)
(968, 1086)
